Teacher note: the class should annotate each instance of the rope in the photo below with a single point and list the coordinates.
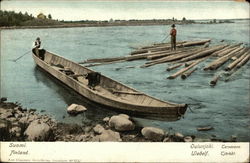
(190, 109)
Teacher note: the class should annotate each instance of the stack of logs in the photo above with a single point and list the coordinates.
(188, 54)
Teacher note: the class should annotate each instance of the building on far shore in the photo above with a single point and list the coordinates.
(41, 16)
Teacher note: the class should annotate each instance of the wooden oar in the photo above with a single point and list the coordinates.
(14, 60)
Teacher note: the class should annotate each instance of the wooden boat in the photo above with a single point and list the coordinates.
(106, 91)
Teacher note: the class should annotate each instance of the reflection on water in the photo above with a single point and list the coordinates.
(225, 107)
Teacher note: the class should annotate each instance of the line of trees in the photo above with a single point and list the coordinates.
(11, 18)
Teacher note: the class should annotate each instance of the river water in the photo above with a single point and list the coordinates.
(225, 107)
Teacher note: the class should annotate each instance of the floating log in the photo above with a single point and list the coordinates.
(240, 53)
(161, 55)
(161, 44)
(205, 128)
(231, 48)
(243, 61)
(139, 51)
(233, 73)
(203, 53)
(220, 51)
(170, 58)
(214, 80)
(115, 59)
(226, 50)
(173, 67)
(100, 60)
(233, 64)
(119, 68)
(188, 63)
(104, 63)
(190, 43)
(220, 61)
(188, 73)
(167, 53)
(186, 68)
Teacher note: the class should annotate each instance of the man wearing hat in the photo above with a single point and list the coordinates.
(173, 37)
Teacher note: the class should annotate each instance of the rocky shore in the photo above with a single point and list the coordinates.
(21, 124)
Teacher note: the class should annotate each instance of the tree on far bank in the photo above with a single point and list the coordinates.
(49, 16)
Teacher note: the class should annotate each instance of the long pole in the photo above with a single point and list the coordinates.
(14, 60)
(165, 38)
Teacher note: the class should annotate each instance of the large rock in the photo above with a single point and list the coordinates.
(76, 109)
(16, 131)
(3, 99)
(5, 115)
(178, 137)
(188, 139)
(121, 123)
(98, 129)
(108, 135)
(23, 120)
(153, 133)
(106, 119)
(38, 131)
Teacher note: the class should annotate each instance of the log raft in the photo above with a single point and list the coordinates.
(220, 61)
(233, 64)
(189, 53)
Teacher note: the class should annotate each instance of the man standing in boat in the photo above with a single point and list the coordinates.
(173, 33)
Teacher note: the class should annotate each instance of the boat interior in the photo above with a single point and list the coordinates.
(101, 84)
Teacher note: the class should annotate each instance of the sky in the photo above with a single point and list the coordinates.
(125, 10)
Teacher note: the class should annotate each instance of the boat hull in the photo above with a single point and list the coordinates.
(170, 113)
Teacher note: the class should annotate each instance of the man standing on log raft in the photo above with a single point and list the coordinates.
(173, 37)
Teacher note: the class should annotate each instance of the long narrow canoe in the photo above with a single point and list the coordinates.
(108, 92)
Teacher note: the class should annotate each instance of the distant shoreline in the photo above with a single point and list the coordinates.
(73, 25)
(110, 24)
